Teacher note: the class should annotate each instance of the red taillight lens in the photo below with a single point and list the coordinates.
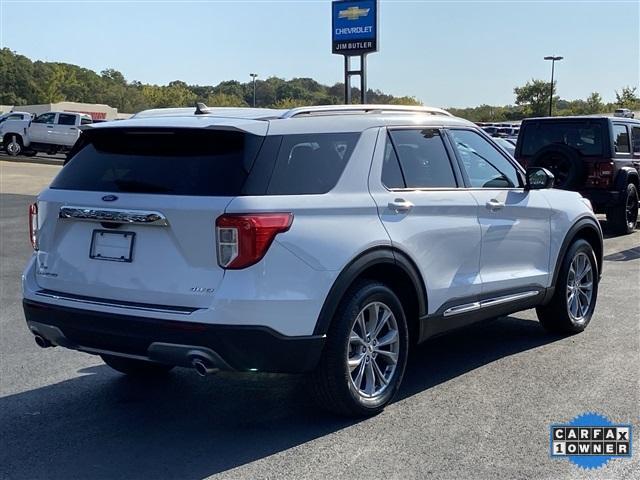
(33, 225)
(242, 240)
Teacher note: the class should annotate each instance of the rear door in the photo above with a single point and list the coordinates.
(415, 185)
(131, 217)
(65, 131)
(515, 222)
(41, 128)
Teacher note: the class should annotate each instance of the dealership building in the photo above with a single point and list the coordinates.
(96, 110)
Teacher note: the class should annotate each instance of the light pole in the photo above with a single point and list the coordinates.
(254, 75)
(553, 63)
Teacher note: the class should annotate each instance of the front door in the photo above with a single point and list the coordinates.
(515, 222)
(41, 128)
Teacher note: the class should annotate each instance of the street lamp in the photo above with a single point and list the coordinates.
(553, 63)
(254, 75)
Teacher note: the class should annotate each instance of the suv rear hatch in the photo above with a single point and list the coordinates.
(131, 217)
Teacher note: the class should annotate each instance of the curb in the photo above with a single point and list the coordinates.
(35, 160)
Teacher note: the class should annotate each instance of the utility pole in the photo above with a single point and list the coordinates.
(254, 75)
(553, 59)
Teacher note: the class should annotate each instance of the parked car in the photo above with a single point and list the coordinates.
(596, 156)
(623, 113)
(323, 240)
(9, 119)
(508, 145)
(50, 132)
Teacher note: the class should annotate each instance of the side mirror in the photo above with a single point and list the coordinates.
(539, 178)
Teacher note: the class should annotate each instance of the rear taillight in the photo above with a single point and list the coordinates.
(33, 225)
(243, 239)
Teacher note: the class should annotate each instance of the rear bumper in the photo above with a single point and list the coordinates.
(228, 347)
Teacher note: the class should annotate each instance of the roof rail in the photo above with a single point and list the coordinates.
(373, 109)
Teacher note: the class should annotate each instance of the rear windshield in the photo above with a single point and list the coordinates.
(169, 162)
(586, 137)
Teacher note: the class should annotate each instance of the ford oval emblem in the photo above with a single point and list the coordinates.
(109, 198)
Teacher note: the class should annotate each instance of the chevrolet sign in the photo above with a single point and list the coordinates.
(354, 26)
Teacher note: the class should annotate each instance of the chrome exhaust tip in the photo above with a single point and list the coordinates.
(42, 342)
(202, 368)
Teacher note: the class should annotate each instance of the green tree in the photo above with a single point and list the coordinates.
(534, 97)
(627, 98)
(594, 103)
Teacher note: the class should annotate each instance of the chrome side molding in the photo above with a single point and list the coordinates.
(113, 215)
(491, 302)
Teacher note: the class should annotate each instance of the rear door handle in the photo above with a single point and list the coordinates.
(400, 205)
(494, 205)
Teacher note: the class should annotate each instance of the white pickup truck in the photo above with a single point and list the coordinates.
(50, 132)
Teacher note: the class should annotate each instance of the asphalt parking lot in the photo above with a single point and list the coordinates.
(474, 404)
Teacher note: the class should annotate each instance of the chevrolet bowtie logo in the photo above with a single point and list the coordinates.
(353, 13)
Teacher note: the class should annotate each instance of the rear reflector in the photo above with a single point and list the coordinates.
(33, 225)
(243, 239)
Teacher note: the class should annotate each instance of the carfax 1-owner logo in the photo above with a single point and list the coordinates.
(590, 440)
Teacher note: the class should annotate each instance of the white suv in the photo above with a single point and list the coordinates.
(323, 240)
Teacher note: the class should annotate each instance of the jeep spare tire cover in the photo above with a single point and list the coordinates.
(564, 162)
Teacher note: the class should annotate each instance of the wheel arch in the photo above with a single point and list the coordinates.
(625, 176)
(387, 265)
(8, 136)
(586, 228)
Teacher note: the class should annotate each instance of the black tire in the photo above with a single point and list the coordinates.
(332, 382)
(137, 368)
(622, 218)
(565, 164)
(12, 148)
(555, 316)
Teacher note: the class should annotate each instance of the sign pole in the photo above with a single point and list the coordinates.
(363, 78)
(347, 80)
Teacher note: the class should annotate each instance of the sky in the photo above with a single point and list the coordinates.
(445, 53)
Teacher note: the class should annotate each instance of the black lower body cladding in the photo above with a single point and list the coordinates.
(242, 348)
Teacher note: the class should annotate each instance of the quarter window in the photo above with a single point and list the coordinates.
(621, 139)
(635, 133)
(311, 164)
(485, 166)
(423, 158)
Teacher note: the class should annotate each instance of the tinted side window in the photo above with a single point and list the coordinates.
(621, 139)
(85, 121)
(391, 173)
(45, 118)
(311, 163)
(485, 166)
(423, 158)
(66, 119)
(636, 139)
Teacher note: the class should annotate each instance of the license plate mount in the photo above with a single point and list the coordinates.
(112, 246)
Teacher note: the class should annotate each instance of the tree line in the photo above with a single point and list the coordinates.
(25, 82)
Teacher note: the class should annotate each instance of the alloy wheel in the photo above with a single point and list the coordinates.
(374, 345)
(579, 288)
